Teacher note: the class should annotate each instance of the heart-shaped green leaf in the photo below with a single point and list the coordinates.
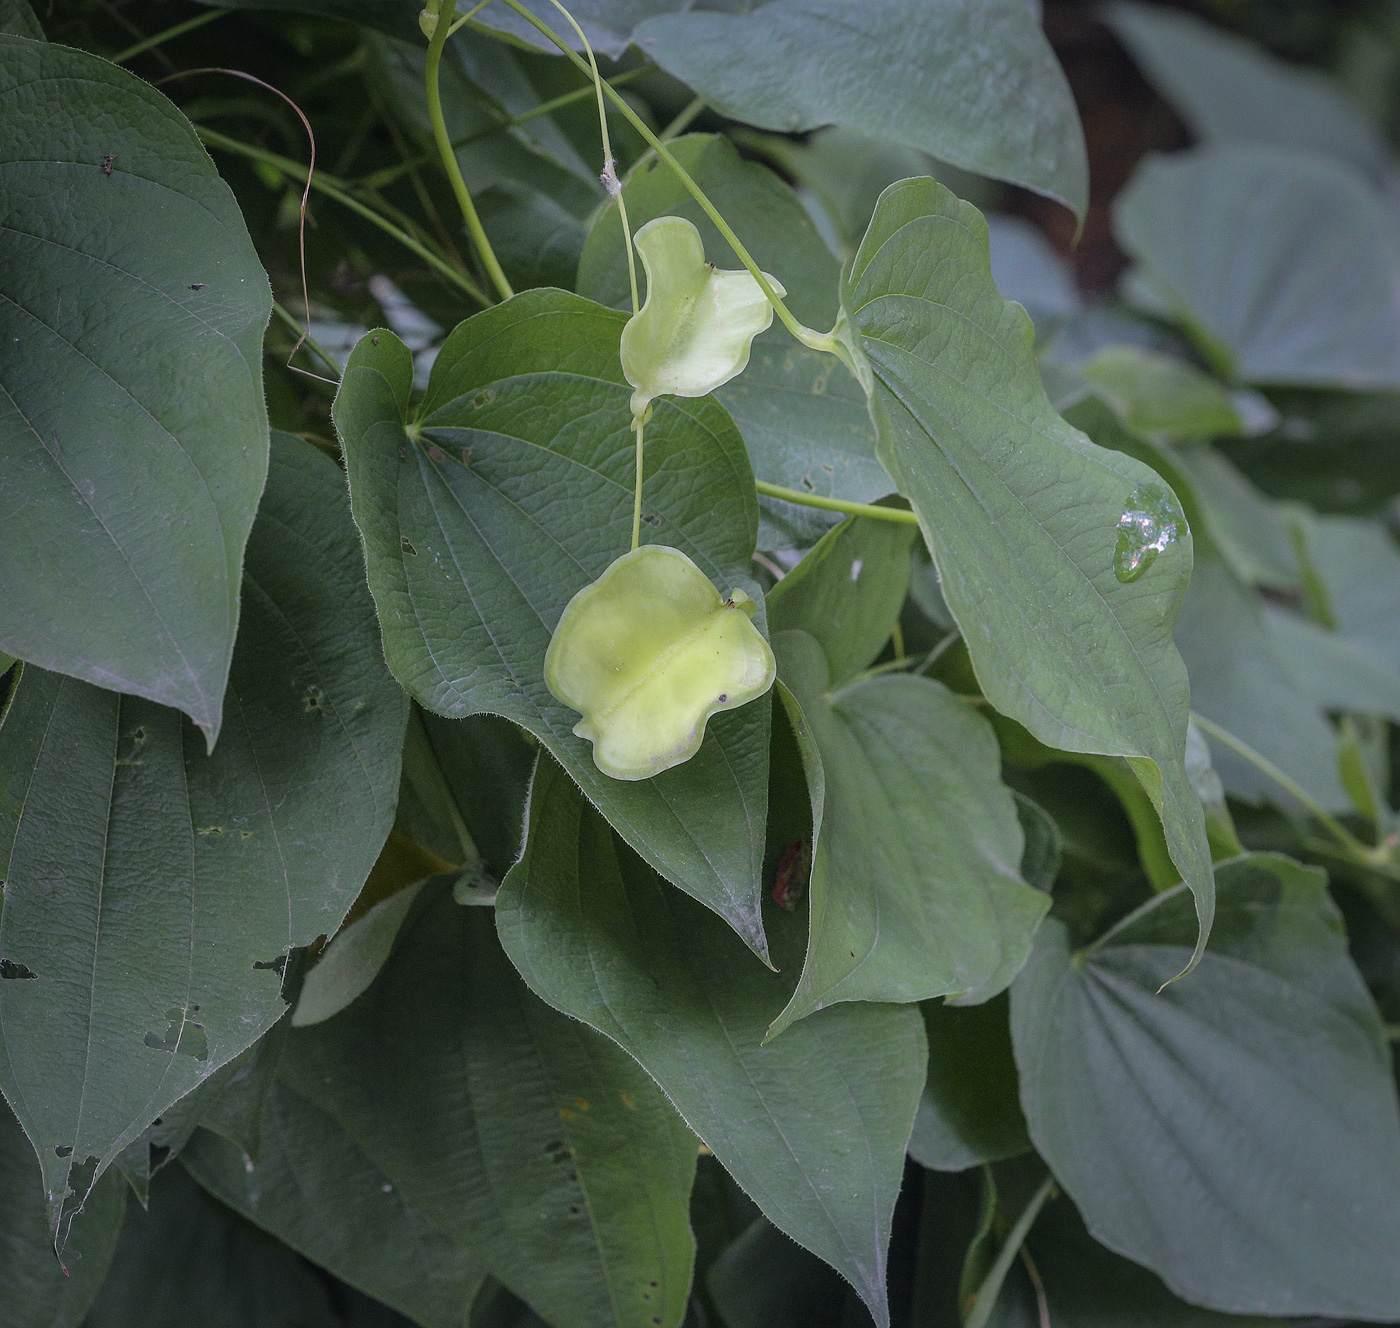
(483, 518)
(647, 653)
(133, 432)
(694, 332)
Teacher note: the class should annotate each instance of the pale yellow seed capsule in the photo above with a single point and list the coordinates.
(694, 332)
(647, 653)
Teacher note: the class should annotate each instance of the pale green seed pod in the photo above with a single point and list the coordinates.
(647, 653)
(694, 332)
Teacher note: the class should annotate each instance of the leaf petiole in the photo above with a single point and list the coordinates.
(1376, 858)
(836, 504)
(982, 1307)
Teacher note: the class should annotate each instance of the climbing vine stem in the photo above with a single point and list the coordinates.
(441, 28)
(830, 342)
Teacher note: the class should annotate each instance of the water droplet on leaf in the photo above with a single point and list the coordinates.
(1149, 525)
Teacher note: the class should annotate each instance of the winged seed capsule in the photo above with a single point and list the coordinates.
(694, 332)
(647, 653)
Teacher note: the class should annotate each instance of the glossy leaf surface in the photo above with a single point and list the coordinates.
(1039, 535)
(133, 434)
(473, 556)
(1291, 1209)
(564, 1171)
(151, 889)
(812, 1124)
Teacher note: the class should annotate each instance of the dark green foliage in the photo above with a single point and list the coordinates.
(1027, 952)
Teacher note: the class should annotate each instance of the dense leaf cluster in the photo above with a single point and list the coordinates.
(945, 873)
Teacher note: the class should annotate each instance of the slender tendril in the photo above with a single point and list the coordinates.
(990, 1289)
(432, 84)
(1369, 857)
(614, 187)
(306, 339)
(336, 189)
(836, 504)
(825, 341)
(150, 43)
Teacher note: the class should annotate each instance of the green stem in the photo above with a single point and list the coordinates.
(335, 189)
(378, 179)
(1359, 852)
(836, 504)
(609, 177)
(432, 80)
(189, 25)
(990, 1289)
(306, 339)
(637, 486)
(825, 341)
(682, 121)
(937, 653)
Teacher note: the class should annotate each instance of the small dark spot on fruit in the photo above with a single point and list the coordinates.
(407, 547)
